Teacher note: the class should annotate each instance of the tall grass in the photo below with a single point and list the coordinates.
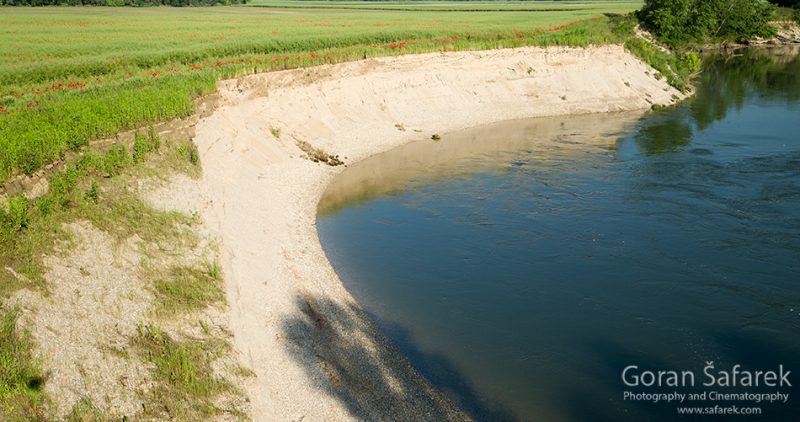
(68, 76)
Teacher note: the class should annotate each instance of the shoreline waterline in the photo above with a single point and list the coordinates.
(314, 350)
(506, 268)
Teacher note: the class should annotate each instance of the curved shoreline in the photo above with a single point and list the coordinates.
(314, 351)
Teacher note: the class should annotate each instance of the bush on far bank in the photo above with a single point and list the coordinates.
(683, 22)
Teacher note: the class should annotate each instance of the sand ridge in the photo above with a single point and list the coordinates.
(315, 352)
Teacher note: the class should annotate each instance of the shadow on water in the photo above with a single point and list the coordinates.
(751, 350)
(335, 344)
(581, 402)
(756, 348)
(444, 376)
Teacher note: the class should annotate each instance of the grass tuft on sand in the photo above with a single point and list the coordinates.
(185, 289)
(188, 384)
(21, 379)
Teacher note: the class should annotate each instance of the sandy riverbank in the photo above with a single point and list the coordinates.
(314, 352)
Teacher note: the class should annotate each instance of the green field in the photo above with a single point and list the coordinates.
(614, 6)
(70, 75)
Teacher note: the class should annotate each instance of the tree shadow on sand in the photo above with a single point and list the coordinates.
(350, 359)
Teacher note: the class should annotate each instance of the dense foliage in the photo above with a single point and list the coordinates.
(680, 22)
(119, 2)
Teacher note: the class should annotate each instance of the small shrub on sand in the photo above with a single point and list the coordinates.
(92, 194)
(194, 155)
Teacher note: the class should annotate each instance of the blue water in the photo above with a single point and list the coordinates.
(523, 266)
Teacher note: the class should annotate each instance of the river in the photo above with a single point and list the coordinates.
(522, 266)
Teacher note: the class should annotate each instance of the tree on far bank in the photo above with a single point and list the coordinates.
(681, 22)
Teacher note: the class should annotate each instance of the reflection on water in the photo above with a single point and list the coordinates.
(467, 152)
(536, 259)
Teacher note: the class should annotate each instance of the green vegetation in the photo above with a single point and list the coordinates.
(676, 67)
(94, 188)
(21, 380)
(682, 22)
(788, 13)
(187, 288)
(188, 385)
(612, 6)
(71, 75)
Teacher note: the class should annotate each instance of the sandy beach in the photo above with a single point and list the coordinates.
(314, 352)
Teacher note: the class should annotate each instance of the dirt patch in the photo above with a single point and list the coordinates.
(102, 294)
(83, 326)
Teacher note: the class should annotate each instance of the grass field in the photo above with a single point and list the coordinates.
(70, 75)
(612, 6)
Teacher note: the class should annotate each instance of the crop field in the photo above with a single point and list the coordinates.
(612, 6)
(71, 75)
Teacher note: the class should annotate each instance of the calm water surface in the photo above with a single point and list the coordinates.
(522, 266)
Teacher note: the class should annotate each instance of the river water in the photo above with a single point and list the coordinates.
(523, 266)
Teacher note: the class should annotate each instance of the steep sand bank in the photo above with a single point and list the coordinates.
(315, 353)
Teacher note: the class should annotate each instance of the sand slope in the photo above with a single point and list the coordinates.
(315, 353)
